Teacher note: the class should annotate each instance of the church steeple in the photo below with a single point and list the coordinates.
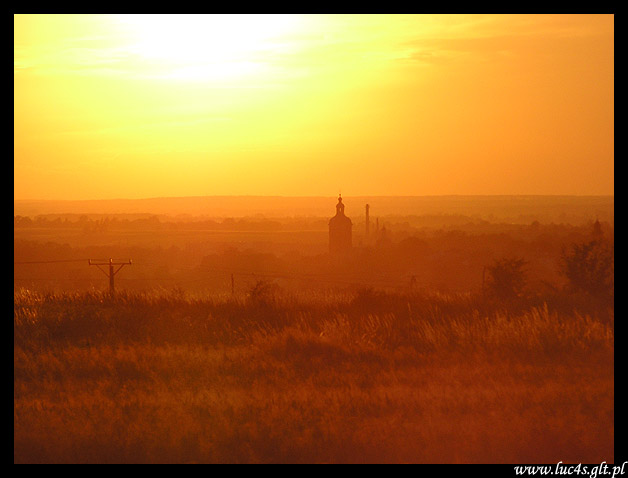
(339, 230)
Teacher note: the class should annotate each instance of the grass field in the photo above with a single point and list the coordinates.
(362, 377)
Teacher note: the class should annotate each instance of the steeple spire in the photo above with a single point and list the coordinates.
(340, 208)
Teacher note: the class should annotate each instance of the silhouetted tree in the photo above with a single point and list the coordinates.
(590, 267)
(506, 278)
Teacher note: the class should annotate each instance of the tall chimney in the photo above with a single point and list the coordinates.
(367, 220)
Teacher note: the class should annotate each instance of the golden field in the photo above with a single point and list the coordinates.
(275, 377)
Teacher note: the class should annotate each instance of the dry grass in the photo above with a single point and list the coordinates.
(335, 378)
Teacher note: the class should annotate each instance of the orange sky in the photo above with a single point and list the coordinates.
(110, 106)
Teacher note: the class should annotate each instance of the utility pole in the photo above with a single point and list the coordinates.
(412, 283)
(111, 273)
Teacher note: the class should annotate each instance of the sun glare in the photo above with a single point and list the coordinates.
(208, 46)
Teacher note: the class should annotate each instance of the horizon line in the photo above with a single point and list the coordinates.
(315, 196)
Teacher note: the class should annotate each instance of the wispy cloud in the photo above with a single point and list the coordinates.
(487, 37)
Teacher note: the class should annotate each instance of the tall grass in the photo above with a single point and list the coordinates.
(342, 377)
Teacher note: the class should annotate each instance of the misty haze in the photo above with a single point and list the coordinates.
(314, 239)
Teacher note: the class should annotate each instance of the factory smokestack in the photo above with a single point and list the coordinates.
(367, 220)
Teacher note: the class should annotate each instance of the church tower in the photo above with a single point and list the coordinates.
(339, 230)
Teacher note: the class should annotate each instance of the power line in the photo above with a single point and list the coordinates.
(50, 262)
(311, 277)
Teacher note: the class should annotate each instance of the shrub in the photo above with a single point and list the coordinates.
(506, 278)
(589, 267)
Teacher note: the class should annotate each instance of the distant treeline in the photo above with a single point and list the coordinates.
(398, 255)
(392, 223)
(116, 222)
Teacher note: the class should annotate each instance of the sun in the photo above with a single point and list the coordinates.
(223, 46)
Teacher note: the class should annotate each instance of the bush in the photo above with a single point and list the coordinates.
(589, 267)
(506, 278)
(263, 292)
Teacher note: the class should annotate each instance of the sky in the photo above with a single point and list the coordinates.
(139, 106)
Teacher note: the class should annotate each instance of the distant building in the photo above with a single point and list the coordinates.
(597, 230)
(339, 230)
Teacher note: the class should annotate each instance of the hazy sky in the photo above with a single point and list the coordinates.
(115, 106)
